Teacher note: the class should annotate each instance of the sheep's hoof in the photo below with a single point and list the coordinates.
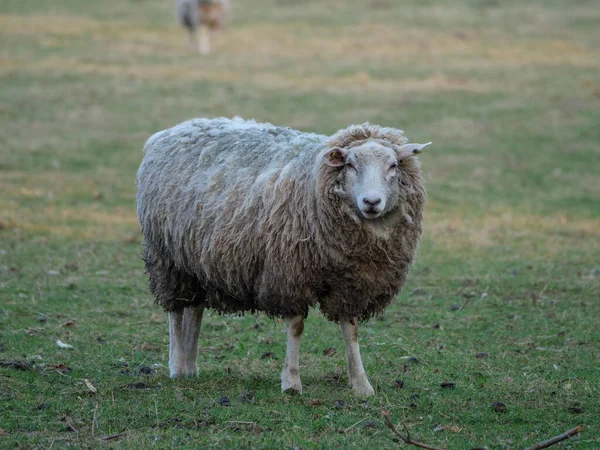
(291, 391)
(292, 388)
(178, 372)
(191, 371)
(290, 380)
(363, 389)
(180, 375)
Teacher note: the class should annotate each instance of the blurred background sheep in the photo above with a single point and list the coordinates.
(201, 18)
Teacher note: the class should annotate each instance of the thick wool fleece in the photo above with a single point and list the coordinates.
(241, 216)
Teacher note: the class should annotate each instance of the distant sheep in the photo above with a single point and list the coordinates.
(205, 16)
(240, 217)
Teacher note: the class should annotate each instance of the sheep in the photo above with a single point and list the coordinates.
(206, 15)
(239, 216)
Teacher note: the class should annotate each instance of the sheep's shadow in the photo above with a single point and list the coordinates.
(236, 382)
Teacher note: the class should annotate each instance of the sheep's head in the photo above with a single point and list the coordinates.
(370, 174)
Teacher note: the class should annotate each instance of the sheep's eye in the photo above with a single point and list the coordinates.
(393, 166)
(350, 166)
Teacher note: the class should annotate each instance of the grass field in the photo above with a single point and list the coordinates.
(503, 301)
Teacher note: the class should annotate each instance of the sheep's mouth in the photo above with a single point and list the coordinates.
(371, 213)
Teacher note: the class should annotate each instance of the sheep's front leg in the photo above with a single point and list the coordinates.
(192, 321)
(176, 344)
(356, 373)
(204, 40)
(290, 375)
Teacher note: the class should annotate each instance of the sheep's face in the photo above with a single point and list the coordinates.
(369, 178)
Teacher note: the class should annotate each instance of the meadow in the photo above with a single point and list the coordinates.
(495, 340)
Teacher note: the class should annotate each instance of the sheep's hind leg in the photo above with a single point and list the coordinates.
(290, 375)
(356, 372)
(192, 320)
(193, 39)
(176, 345)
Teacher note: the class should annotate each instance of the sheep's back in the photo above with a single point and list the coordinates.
(208, 189)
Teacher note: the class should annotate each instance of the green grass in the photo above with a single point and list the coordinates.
(509, 93)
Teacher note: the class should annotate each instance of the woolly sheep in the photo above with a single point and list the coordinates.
(239, 216)
(205, 15)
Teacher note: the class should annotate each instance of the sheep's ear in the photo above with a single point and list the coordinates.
(335, 157)
(410, 150)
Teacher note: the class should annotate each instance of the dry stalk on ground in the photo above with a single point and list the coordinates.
(406, 439)
(557, 439)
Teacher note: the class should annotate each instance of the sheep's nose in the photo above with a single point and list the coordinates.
(371, 201)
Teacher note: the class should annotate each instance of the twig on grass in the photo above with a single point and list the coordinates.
(111, 437)
(94, 419)
(156, 412)
(572, 379)
(465, 303)
(406, 439)
(557, 439)
(70, 426)
(352, 426)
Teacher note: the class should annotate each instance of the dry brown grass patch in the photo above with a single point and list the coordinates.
(84, 222)
(497, 227)
(267, 79)
(54, 25)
